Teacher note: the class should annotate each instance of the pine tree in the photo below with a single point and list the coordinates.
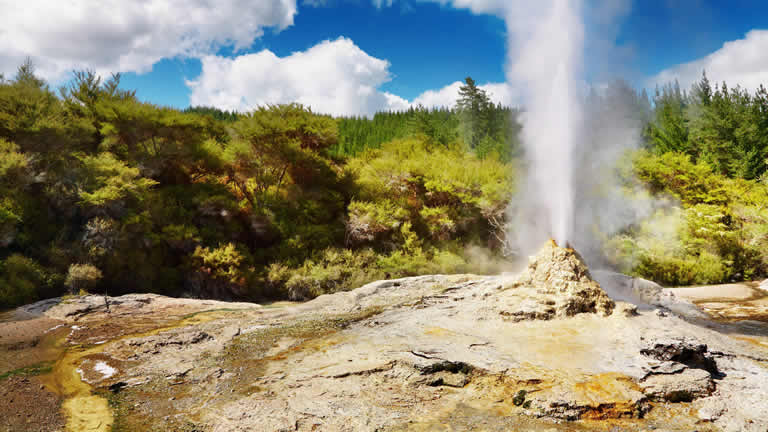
(473, 107)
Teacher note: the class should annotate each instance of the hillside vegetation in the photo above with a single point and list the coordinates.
(102, 192)
(706, 155)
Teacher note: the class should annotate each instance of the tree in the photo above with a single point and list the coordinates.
(13, 180)
(668, 130)
(473, 107)
(25, 74)
(276, 141)
(220, 271)
(107, 182)
(727, 128)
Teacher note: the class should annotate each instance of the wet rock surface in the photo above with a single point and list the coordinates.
(732, 303)
(543, 350)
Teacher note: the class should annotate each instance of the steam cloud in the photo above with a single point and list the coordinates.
(545, 58)
(573, 135)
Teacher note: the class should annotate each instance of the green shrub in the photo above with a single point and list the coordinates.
(371, 221)
(718, 234)
(82, 278)
(331, 271)
(221, 272)
(343, 269)
(21, 281)
(444, 193)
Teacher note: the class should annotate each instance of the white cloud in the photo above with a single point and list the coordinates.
(333, 77)
(128, 36)
(740, 62)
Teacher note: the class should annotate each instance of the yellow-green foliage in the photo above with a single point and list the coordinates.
(449, 174)
(333, 270)
(223, 262)
(445, 192)
(336, 270)
(82, 277)
(717, 234)
(676, 174)
(22, 280)
(368, 221)
(11, 159)
(222, 271)
(278, 141)
(108, 180)
(662, 250)
(253, 204)
(438, 221)
(13, 165)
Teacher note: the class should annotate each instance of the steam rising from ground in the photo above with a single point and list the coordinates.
(545, 59)
(573, 135)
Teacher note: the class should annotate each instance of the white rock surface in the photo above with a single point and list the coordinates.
(491, 353)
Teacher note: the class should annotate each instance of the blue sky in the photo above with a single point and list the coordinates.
(665, 33)
(355, 57)
(428, 45)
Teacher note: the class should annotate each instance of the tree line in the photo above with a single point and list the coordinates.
(481, 126)
(101, 191)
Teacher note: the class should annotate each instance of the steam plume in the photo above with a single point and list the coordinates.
(573, 135)
(546, 61)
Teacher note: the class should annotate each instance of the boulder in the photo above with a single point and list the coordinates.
(684, 386)
(692, 354)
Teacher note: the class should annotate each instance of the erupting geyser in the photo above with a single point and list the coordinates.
(546, 63)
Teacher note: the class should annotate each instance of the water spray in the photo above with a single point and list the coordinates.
(546, 63)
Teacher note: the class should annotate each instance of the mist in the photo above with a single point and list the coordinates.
(574, 133)
(546, 63)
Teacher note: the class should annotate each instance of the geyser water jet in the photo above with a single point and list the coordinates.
(573, 136)
(546, 64)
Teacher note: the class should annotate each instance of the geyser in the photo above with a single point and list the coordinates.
(546, 63)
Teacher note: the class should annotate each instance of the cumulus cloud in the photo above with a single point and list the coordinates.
(128, 36)
(333, 77)
(740, 62)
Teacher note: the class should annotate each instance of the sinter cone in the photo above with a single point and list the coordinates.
(556, 283)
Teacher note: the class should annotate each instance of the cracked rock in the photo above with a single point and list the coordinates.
(693, 355)
(684, 386)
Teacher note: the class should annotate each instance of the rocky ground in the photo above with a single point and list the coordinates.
(732, 302)
(547, 349)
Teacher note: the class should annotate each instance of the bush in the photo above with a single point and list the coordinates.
(716, 235)
(82, 278)
(336, 270)
(21, 281)
(675, 174)
(444, 193)
(331, 271)
(369, 221)
(221, 272)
